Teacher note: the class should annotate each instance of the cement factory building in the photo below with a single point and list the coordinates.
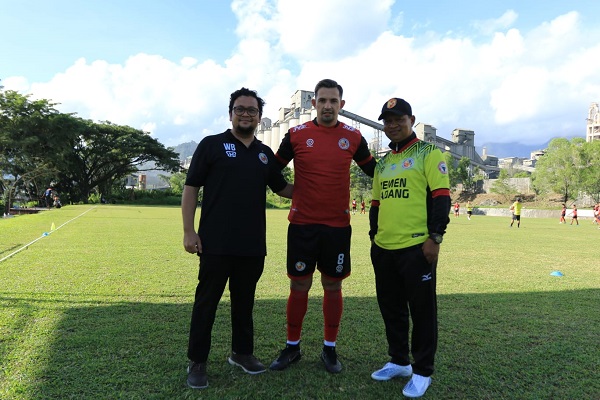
(300, 110)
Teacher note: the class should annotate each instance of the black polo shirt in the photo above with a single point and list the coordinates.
(234, 177)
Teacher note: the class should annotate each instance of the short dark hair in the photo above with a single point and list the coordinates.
(249, 93)
(329, 83)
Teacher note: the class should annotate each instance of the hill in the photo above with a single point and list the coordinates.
(185, 150)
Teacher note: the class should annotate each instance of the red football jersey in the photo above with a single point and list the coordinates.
(322, 158)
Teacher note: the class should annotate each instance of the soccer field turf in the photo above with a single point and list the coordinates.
(100, 307)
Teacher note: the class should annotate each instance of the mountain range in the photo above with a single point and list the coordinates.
(514, 149)
(185, 150)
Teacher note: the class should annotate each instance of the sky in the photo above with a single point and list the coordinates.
(512, 71)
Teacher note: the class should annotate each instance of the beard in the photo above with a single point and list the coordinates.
(245, 131)
(328, 118)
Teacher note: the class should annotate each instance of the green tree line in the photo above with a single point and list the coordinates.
(41, 147)
(569, 168)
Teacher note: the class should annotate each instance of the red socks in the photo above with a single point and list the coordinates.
(296, 310)
(297, 305)
(333, 306)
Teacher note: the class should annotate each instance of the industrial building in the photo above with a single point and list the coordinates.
(300, 110)
(593, 123)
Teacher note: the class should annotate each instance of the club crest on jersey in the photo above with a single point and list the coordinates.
(442, 167)
(344, 144)
(310, 142)
(263, 157)
(300, 266)
(229, 149)
(408, 163)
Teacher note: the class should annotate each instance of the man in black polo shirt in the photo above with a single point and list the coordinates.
(234, 168)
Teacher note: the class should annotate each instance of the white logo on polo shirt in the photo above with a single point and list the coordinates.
(230, 149)
(263, 157)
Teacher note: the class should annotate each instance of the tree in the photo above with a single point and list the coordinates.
(288, 174)
(590, 176)
(361, 185)
(560, 170)
(45, 146)
(177, 181)
(467, 174)
(452, 171)
(105, 153)
(30, 144)
(502, 187)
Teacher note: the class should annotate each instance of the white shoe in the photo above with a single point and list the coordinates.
(391, 370)
(417, 386)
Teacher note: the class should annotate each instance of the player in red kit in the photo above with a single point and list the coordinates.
(319, 238)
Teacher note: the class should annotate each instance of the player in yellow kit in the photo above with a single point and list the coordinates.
(516, 212)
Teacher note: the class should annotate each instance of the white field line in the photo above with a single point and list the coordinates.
(44, 235)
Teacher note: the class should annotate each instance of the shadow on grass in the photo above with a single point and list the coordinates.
(492, 346)
(8, 250)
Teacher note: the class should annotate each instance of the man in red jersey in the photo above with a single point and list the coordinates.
(319, 237)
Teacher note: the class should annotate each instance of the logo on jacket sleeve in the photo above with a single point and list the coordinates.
(263, 157)
(344, 144)
(442, 167)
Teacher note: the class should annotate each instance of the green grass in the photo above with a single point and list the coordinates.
(100, 308)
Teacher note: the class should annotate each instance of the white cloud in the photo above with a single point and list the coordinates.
(328, 30)
(511, 85)
(520, 95)
(490, 26)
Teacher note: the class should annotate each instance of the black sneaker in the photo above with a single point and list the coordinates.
(197, 378)
(289, 355)
(247, 362)
(329, 357)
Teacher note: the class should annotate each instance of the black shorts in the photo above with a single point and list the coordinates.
(516, 217)
(324, 247)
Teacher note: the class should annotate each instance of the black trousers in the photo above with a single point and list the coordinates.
(405, 284)
(243, 274)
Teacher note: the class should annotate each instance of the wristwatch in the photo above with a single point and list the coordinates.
(436, 237)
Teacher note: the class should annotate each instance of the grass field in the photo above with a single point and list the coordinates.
(99, 309)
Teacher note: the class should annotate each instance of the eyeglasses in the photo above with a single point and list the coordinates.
(251, 111)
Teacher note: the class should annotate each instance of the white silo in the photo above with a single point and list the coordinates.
(313, 113)
(294, 122)
(265, 125)
(283, 128)
(305, 117)
(274, 143)
(268, 135)
(260, 135)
